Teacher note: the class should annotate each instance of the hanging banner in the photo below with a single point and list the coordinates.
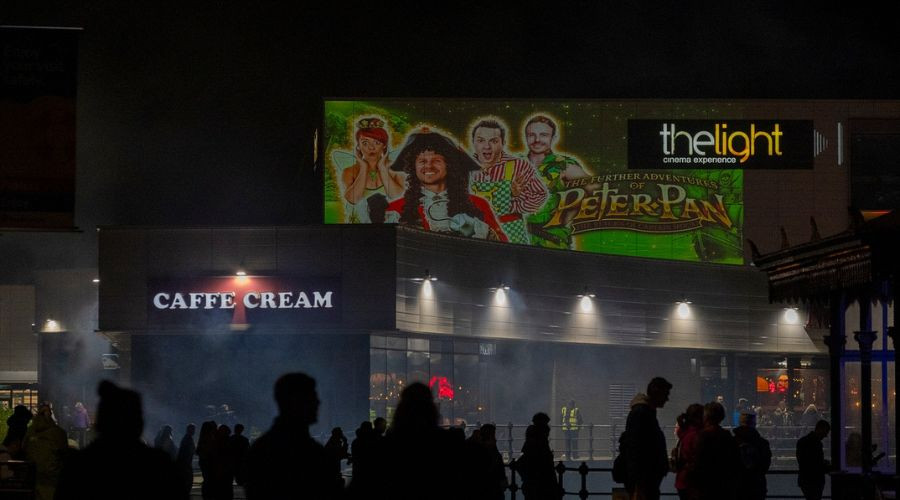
(38, 73)
(555, 174)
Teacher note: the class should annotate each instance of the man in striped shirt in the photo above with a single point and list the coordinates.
(509, 183)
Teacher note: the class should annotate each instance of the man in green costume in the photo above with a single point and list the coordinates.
(554, 170)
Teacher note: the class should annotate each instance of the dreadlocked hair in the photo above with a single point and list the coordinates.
(457, 194)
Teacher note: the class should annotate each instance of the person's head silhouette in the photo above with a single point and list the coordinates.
(416, 410)
(295, 394)
(119, 412)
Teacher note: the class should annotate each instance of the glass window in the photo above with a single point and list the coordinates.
(882, 417)
(418, 369)
(441, 382)
(396, 343)
(467, 400)
(377, 383)
(418, 344)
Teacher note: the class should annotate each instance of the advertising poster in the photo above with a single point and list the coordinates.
(554, 174)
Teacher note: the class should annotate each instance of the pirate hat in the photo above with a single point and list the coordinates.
(426, 140)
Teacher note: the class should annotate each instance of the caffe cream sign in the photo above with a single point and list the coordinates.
(250, 300)
(207, 301)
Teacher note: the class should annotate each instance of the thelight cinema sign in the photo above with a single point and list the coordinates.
(244, 300)
(743, 144)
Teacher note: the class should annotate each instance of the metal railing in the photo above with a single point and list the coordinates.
(600, 442)
(584, 471)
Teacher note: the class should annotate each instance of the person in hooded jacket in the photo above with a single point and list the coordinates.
(16, 426)
(644, 443)
(535, 465)
(117, 464)
(45, 444)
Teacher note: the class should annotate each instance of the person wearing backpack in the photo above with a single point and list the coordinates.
(644, 444)
(685, 451)
(756, 457)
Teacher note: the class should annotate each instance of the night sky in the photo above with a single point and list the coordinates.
(196, 113)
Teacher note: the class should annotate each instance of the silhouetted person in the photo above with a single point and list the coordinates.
(811, 461)
(419, 459)
(542, 420)
(206, 444)
(380, 427)
(17, 425)
(362, 451)
(165, 442)
(238, 445)
(221, 466)
(185, 459)
(536, 463)
(286, 462)
(718, 462)
(756, 458)
(689, 428)
(336, 450)
(644, 442)
(496, 471)
(80, 423)
(477, 464)
(45, 444)
(741, 407)
(117, 464)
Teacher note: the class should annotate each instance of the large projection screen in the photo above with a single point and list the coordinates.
(554, 174)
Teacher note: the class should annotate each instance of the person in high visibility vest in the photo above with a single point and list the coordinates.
(571, 421)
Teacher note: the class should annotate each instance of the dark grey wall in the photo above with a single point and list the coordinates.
(635, 298)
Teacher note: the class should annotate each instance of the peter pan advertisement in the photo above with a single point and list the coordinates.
(542, 173)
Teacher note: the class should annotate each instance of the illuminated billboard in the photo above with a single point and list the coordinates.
(577, 175)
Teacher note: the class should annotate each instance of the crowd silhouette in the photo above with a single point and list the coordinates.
(413, 458)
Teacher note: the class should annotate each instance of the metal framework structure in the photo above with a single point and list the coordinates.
(858, 265)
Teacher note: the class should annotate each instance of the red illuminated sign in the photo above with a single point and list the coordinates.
(445, 389)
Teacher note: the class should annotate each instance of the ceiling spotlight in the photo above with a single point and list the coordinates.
(51, 325)
(791, 316)
(428, 277)
(587, 305)
(500, 296)
(585, 293)
(684, 310)
(95, 280)
(240, 272)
